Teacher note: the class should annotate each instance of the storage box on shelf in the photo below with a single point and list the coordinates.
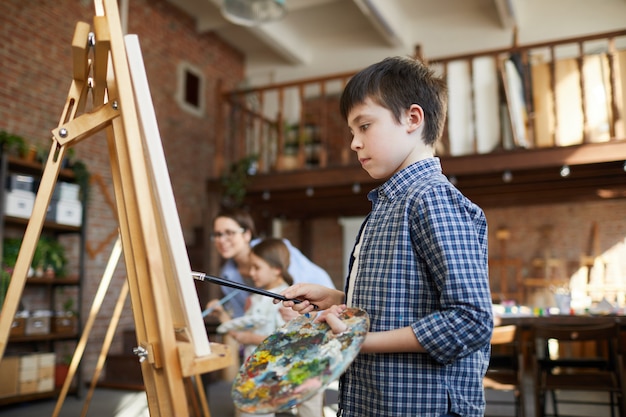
(19, 203)
(27, 374)
(21, 182)
(65, 207)
(64, 322)
(38, 323)
(36, 373)
(20, 195)
(18, 326)
(9, 369)
(67, 212)
(41, 331)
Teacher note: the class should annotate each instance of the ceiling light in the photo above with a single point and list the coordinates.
(507, 176)
(565, 171)
(253, 12)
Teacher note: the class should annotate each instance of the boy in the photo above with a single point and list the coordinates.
(419, 266)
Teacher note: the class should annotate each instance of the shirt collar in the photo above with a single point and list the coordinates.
(399, 181)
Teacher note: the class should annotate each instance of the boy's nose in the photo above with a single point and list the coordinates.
(355, 143)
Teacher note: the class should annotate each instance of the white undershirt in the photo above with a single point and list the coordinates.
(355, 266)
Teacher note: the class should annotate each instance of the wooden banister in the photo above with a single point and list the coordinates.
(261, 129)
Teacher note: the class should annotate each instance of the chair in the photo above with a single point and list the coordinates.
(505, 369)
(585, 358)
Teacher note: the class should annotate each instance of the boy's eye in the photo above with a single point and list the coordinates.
(364, 127)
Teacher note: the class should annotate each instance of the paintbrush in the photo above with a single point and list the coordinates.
(219, 303)
(201, 276)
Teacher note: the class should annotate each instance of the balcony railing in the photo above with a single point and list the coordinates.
(544, 95)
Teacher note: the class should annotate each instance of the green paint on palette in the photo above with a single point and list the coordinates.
(300, 372)
(296, 362)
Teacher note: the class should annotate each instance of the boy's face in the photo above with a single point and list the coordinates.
(382, 144)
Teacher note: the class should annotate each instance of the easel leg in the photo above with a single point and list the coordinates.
(196, 388)
(106, 345)
(95, 308)
(194, 407)
(202, 395)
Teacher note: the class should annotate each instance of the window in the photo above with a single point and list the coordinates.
(190, 92)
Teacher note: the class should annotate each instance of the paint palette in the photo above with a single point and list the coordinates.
(296, 362)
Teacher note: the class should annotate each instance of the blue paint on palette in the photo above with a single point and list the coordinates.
(296, 362)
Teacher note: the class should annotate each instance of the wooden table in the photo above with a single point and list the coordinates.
(526, 323)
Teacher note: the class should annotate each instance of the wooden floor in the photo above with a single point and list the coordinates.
(564, 409)
(121, 403)
(109, 402)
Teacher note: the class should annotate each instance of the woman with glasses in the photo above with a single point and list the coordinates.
(233, 236)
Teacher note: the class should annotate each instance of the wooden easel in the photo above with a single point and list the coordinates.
(172, 340)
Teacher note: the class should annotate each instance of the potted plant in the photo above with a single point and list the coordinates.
(13, 144)
(5, 278)
(81, 176)
(66, 319)
(49, 258)
(235, 180)
(42, 153)
(10, 250)
(69, 159)
(62, 367)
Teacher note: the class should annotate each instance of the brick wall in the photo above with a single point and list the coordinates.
(563, 232)
(35, 76)
(558, 231)
(325, 244)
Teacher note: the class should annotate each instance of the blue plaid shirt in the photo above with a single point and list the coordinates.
(423, 263)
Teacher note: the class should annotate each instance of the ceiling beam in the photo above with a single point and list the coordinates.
(386, 18)
(506, 13)
(209, 22)
(284, 41)
(277, 36)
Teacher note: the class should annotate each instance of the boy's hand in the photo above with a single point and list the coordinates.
(310, 294)
(331, 316)
(287, 314)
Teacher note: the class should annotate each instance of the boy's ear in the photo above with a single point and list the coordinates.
(415, 117)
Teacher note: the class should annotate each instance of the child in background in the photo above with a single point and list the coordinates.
(269, 261)
(234, 233)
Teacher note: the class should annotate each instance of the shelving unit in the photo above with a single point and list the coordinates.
(44, 290)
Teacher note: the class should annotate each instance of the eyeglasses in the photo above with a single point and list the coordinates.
(226, 233)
